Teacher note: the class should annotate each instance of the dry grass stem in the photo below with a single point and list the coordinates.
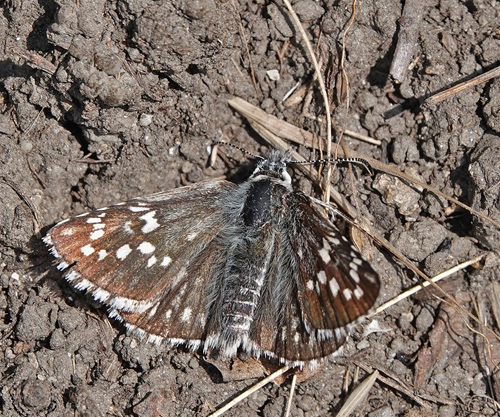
(324, 94)
(480, 79)
(247, 50)
(419, 287)
(290, 398)
(345, 77)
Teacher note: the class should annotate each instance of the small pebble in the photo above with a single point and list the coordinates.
(273, 75)
(26, 146)
(145, 119)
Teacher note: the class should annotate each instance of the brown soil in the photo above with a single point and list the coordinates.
(140, 87)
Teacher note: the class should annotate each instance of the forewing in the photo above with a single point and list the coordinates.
(131, 254)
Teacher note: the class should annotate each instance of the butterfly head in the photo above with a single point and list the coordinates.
(274, 165)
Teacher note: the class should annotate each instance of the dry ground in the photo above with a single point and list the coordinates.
(141, 87)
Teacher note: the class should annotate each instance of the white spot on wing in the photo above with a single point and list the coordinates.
(96, 234)
(127, 228)
(354, 275)
(138, 209)
(325, 255)
(322, 277)
(358, 293)
(123, 252)
(151, 261)
(93, 220)
(347, 294)
(145, 248)
(101, 254)
(191, 236)
(371, 277)
(68, 231)
(151, 222)
(334, 240)
(87, 250)
(334, 287)
(310, 285)
(186, 314)
(166, 261)
(325, 252)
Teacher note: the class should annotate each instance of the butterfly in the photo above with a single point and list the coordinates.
(257, 267)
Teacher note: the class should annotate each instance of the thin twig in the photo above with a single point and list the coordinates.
(364, 138)
(480, 79)
(27, 201)
(247, 49)
(425, 284)
(30, 127)
(87, 160)
(34, 60)
(237, 68)
(250, 391)
(409, 31)
(322, 87)
(393, 382)
(290, 398)
(342, 57)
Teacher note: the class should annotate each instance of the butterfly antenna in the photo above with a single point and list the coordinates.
(358, 161)
(221, 142)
